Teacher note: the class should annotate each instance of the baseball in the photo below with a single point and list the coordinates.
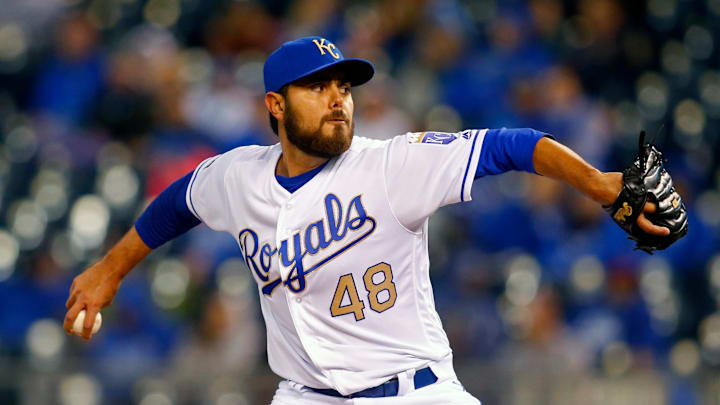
(80, 319)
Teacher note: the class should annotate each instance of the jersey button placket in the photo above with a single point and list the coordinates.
(286, 232)
(282, 232)
(283, 229)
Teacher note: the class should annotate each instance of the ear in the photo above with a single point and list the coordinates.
(275, 104)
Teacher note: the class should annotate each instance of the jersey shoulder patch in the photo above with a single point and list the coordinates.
(433, 138)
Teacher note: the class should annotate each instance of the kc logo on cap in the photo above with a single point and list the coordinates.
(329, 47)
(305, 56)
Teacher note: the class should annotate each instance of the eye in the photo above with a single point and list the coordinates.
(345, 88)
(316, 87)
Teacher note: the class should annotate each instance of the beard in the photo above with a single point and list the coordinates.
(314, 143)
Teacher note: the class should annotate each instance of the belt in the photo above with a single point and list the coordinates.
(423, 378)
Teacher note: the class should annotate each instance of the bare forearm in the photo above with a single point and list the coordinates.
(127, 253)
(554, 160)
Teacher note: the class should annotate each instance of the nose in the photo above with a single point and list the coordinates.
(336, 96)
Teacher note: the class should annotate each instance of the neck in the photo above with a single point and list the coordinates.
(294, 162)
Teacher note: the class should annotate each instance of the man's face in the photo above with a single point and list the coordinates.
(319, 115)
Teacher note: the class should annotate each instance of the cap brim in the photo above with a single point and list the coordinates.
(359, 71)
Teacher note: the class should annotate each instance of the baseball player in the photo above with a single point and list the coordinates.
(334, 229)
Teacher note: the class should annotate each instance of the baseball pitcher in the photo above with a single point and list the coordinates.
(334, 229)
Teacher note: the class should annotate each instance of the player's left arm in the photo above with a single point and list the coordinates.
(554, 160)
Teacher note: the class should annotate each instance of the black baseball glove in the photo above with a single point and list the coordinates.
(647, 180)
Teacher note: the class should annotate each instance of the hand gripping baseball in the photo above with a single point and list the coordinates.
(91, 290)
(646, 180)
(95, 288)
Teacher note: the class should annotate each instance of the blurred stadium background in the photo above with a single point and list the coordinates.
(103, 103)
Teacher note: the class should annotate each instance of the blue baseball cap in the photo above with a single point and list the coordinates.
(305, 56)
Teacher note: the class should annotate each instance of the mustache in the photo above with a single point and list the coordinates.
(336, 115)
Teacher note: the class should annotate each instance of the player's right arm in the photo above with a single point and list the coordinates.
(95, 288)
(171, 214)
(167, 217)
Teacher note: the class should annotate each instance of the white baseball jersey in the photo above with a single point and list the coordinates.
(342, 263)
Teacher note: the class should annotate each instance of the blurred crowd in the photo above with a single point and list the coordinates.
(103, 103)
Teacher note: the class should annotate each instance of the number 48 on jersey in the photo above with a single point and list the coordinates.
(379, 301)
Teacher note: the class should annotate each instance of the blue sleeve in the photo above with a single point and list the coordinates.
(168, 216)
(508, 149)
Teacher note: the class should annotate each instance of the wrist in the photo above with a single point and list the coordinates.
(111, 269)
(609, 186)
(115, 275)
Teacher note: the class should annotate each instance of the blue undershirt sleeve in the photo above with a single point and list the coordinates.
(168, 216)
(508, 149)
